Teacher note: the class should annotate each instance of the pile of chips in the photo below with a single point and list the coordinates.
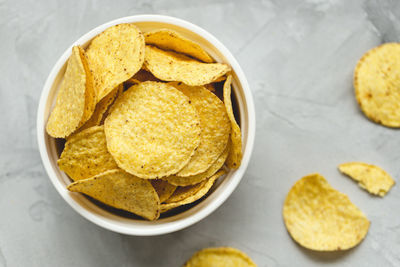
(145, 130)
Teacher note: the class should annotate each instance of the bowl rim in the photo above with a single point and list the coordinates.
(157, 229)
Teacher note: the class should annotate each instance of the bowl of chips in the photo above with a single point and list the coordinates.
(146, 125)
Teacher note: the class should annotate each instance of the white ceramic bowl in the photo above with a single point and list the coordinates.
(133, 226)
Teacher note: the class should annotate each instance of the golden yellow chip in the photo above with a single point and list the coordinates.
(318, 217)
(215, 128)
(205, 187)
(370, 177)
(171, 66)
(152, 130)
(171, 40)
(101, 108)
(76, 97)
(85, 154)
(220, 257)
(195, 179)
(114, 56)
(235, 155)
(377, 83)
(163, 189)
(184, 192)
(121, 190)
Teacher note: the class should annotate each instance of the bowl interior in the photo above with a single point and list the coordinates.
(119, 221)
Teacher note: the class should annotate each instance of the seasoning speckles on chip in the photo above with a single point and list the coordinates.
(114, 56)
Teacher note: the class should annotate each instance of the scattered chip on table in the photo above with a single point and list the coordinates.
(369, 177)
(220, 257)
(377, 82)
(121, 190)
(318, 217)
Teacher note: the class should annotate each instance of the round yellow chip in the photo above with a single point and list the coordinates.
(195, 179)
(235, 154)
(220, 257)
(189, 194)
(171, 40)
(163, 189)
(372, 178)
(377, 84)
(85, 154)
(321, 218)
(121, 190)
(114, 56)
(215, 128)
(171, 66)
(152, 130)
(76, 97)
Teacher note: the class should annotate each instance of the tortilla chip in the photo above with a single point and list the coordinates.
(195, 179)
(121, 190)
(235, 155)
(376, 83)
(215, 128)
(369, 177)
(76, 97)
(163, 189)
(85, 154)
(152, 130)
(220, 257)
(171, 66)
(114, 56)
(318, 217)
(205, 187)
(170, 40)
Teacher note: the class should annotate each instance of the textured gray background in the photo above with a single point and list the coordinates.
(298, 57)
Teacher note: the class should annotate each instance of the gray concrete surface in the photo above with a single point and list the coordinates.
(299, 58)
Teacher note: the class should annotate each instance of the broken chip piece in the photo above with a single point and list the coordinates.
(369, 177)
